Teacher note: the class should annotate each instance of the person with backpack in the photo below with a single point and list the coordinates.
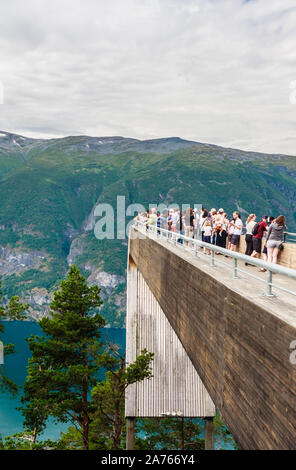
(258, 232)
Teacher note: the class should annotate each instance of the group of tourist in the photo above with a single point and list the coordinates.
(219, 229)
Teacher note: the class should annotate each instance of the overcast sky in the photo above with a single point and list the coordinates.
(216, 71)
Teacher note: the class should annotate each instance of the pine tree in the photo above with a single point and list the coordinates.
(65, 362)
(108, 396)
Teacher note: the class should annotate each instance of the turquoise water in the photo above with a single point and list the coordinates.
(15, 367)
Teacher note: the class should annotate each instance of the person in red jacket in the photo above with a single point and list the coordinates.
(257, 237)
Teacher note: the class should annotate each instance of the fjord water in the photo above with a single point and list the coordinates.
(15, 367)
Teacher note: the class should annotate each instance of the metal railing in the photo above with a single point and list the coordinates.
(290, 237)
(192, 244)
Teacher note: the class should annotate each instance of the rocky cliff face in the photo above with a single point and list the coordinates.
(16, 261)
(39, 300)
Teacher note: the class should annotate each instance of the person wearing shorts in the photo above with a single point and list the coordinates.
(274, 238)
(237, 230)
(230, 232)
(264, 251)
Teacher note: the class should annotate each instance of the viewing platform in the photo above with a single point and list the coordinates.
(237, 326)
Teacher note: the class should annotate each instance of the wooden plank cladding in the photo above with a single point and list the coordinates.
(238, 345)
(175, 388)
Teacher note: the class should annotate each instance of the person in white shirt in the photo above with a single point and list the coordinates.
(236, 227)
(208, 231)
(176, 220)
(250, 224)
(202, 219)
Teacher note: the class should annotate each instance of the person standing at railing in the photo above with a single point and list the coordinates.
(188, 221)
(180, 227)
(196, 224)
(176, 221)
(275, 237)
(258, 232)
(162, 221)
(207, 234)
(264, 251)
(205, 216)
(170, 219)
(221, 228)
(250, 224)
(213, 214)
(230, 229)
(152, 220)
(237, 230)
(142, 217)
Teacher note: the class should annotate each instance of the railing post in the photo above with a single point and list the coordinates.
(269, 284)
(234, 272)
(212, 258)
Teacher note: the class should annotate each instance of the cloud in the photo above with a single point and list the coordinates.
(215, 71)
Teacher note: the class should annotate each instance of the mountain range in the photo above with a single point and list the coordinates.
(50, 187)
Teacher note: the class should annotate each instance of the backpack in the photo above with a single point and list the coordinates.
(255, 229)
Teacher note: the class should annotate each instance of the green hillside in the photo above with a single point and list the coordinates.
(48, 189)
